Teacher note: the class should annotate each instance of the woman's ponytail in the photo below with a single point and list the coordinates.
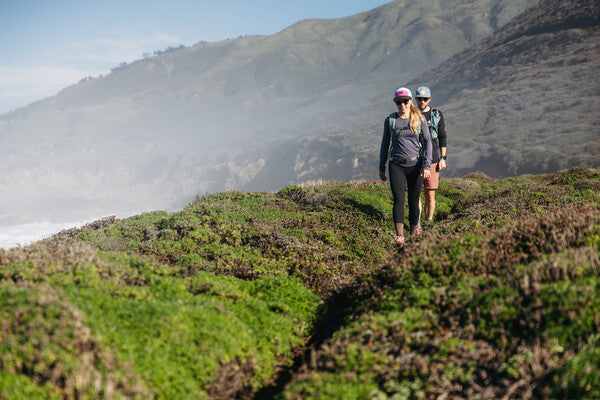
(416, 118)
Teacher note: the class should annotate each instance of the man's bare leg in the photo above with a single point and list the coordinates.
(429, 204)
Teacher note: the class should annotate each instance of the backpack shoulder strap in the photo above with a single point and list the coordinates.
(434, 122)
(435, 116)
(392, 121)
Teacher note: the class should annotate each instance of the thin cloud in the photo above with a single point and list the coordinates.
(110, 51)
(163, 38)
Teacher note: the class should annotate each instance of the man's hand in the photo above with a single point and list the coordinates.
(442, 164)
(382, 176)
(426, 174)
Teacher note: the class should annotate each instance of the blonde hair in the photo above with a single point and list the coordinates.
(416, 118)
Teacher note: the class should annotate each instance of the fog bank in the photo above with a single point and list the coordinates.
(25, 234)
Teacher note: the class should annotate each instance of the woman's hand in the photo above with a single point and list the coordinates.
(382, 176)
(426, 174)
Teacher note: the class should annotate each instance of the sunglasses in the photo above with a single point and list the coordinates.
(399, 101)
(423, 98)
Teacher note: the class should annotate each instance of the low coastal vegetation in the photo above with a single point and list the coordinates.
(302, 294)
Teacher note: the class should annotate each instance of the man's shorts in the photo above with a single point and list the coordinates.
(432, 182)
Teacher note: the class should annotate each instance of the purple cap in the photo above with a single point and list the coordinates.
(403, 93)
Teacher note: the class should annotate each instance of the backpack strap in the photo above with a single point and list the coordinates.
(392, 121)
(434, 122)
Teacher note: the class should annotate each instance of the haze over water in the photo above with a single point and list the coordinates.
(14, 235)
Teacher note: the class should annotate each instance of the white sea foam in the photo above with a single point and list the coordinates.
(14, 235)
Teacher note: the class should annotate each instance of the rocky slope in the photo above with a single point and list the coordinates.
(531, 93)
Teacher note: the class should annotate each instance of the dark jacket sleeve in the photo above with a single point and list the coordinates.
(385, 145)
(442, 131)
(426, 143)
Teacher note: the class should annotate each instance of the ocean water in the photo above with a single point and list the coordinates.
(15, 235)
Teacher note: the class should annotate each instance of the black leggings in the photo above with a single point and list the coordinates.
(400, 178)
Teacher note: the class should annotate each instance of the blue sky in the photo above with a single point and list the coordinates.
(47, 45)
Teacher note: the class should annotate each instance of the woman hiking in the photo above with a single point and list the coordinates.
(407, 133)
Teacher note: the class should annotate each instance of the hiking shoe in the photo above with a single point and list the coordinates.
(418, 231)
(399, 240)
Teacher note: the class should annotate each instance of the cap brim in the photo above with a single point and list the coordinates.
(402, 98)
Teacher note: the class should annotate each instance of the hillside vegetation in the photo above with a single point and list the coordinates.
(302, 294)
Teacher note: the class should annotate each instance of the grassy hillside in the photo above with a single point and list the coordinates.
(302, 294)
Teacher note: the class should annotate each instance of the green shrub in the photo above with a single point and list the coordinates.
(325, 386)
(19, 387)
(374, 205)
(579, 377)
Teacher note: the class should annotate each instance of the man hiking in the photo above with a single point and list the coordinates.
(437, 128)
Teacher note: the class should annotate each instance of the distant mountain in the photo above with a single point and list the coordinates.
(524, 100)
(154, 133)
